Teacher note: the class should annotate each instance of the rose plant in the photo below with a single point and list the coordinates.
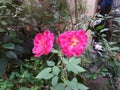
(64, 72)
(72, 43)
(43, 43)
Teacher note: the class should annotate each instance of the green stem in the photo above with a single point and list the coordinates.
(50, 57)
(65, 74)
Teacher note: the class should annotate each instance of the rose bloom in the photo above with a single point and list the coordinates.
(43, 43)
(73, 43)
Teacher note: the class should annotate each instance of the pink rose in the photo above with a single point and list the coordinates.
(43, 43)
(73, 43)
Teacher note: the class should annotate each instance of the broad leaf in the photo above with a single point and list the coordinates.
(71, 85)
(3, 22)
(56, 70)
(75, 60)
(55, 51)
(74, 80)
(12, 34)
(82, 87)
(99, 27)
(45, 74)
(9, 46)
(19, 48)
(69, 67)
(103, 30)
(79, 68)
(74, 68)
(59, 86)
(74, 85)
(65, 61)
(11, 54)
(54, 80)
(115, 49)
(50, 63)
(1, 7)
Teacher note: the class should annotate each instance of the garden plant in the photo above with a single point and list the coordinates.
(46, 46)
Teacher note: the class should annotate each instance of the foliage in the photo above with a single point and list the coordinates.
(61, 72)
(10, 44)
(24, 78)
(104, 54)
(21, 20)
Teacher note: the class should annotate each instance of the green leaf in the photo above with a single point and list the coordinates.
(103, 30)
(14, 74)
(48, 76)
(71, 85)
(103, 35)
(2, 30)
(79, 68)
(55, 51)
(116, 31)
(54, 80)
(9, 46)
(82, 87)
(3, 22)
(74, 68)
(12, 34)
(3, 65)
(45, 74)
(69, 67)
(1, 7)
(26, 74)
(85, 27)
(11, 54)
(74, 60)
(56, 70)
(74, 85)
(59, 86)
(74, 80)
(19, 48)
(115, 49)
(117, 20)
(99, 27)
(65, 61)
(50, 63)
(94, 75)
(68, 88)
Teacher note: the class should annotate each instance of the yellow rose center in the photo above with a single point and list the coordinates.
(74, 41)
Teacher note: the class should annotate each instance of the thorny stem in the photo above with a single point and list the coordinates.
(50, 57)
(64, 70)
